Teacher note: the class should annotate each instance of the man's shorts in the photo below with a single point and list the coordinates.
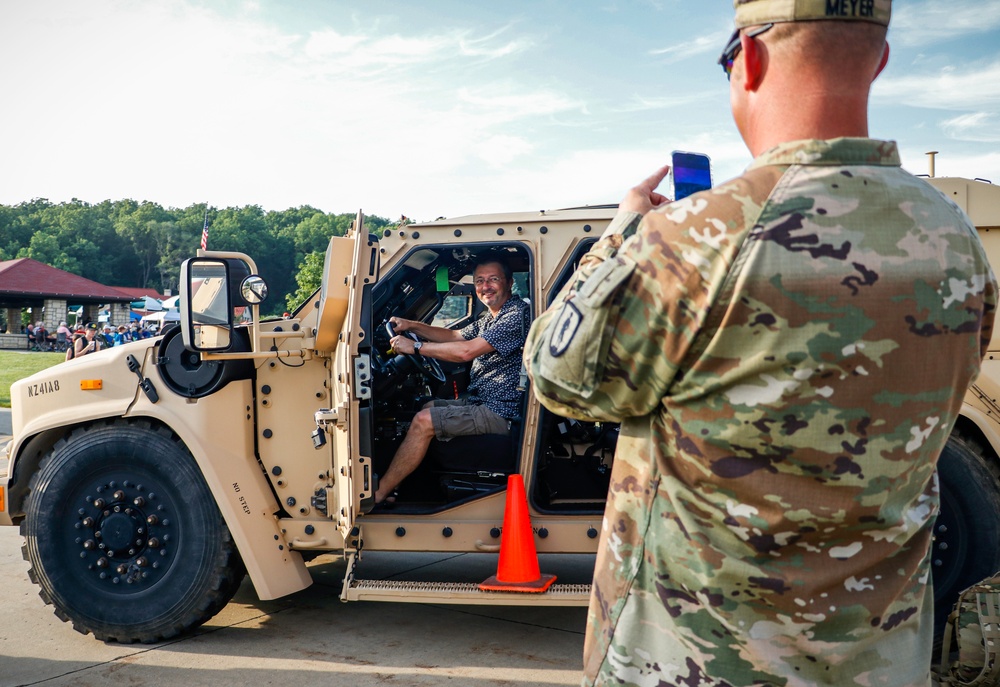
(459, 418)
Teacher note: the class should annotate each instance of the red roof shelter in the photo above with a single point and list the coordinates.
(27, 283)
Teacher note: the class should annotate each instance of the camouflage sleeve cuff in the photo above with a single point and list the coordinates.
(624, 224)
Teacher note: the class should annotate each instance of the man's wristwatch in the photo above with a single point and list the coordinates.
(417, 345)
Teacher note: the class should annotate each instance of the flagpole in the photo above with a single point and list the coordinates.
(204, 231)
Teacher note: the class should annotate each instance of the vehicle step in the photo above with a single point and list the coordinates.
(462, 593)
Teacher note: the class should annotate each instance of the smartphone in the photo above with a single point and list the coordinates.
(692, 173)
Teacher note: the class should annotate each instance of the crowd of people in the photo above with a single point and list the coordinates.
(87, 338)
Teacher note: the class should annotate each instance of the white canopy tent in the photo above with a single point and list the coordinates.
(161, 317)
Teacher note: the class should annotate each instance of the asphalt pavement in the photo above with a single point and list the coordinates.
(310, 638)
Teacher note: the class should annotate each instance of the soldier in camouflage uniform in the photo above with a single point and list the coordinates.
(787, 354)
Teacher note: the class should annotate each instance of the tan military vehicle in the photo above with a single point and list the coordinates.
(148, 478)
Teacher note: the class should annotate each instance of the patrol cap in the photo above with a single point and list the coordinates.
(756, 12)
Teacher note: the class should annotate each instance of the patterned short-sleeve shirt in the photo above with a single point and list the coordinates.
(495, 375)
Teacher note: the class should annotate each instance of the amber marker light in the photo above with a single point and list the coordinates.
(90, 384)
(2, 502)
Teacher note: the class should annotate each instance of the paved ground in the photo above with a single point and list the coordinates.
(5, 428)
(310, 638)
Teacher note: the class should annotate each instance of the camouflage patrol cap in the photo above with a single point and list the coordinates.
(756, 12)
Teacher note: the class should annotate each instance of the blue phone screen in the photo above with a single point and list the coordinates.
(692, 173)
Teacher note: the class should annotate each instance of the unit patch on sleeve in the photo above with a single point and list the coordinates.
(564, 329)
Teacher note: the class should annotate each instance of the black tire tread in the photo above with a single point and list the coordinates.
(228, 571)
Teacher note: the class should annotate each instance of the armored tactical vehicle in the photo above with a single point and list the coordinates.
(147, 479)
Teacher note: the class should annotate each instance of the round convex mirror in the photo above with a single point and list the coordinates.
(254, 289)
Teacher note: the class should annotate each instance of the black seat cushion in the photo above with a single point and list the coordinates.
(476, 453)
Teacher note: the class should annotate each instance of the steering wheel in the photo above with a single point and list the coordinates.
(427, 366)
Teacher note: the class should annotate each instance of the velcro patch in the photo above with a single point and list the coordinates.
(564, 329)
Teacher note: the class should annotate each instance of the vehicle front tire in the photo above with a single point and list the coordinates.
(124, 537)
(966, 545)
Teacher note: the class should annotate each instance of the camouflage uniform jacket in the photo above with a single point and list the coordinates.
(787, 354)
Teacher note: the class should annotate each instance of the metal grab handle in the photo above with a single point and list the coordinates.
(314, 544)
(482, 546)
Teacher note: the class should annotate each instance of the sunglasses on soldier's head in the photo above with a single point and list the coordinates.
(733, 47)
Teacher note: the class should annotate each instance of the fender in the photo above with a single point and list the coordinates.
(219, 432)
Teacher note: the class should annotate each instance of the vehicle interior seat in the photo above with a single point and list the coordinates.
(478, 464)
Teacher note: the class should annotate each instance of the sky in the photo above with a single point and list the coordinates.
(427, 108)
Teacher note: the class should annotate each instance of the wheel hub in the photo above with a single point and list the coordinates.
(120, 531)
(124, 533)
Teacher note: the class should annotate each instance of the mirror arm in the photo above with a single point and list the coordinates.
(258, 355)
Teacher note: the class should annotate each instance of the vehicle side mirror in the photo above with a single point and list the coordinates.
(205, 304)
(254, 289)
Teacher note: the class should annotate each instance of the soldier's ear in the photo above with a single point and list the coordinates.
(753, 62)
(883, 62)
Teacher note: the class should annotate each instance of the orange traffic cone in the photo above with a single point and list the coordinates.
(518, 567)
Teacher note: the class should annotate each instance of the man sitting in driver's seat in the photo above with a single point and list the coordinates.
(494, 344)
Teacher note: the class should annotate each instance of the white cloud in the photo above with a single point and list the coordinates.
(713, 42)
(231, 110)
(641, 103)
(981, 127)
(918, 22)
(502, 150)
(967, 87)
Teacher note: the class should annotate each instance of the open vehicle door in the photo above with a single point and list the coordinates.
(346, 289)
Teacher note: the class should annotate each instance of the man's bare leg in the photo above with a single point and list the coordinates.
(408, 455)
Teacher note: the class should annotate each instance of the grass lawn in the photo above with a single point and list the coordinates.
(15, 365)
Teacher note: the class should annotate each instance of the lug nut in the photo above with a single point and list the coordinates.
(90, 545)
(152, 520)
(121, 569)
(102, 562)
(153, 543)
(99, 503)
(139, 501)
(119, 495)
(88, 521)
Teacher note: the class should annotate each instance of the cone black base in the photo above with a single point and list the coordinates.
(542, 584)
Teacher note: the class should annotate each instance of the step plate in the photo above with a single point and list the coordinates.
(463, 593)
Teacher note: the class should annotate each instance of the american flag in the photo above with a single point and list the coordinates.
(204, 233)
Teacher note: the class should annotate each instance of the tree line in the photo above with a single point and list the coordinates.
(142, 244)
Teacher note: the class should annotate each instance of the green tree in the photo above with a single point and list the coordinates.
(245, 230)
(309, 278)
(45, 248)
(142, 227)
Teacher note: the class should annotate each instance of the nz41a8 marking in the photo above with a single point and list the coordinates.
(43, 388)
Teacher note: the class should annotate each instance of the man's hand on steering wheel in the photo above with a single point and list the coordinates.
(400, 325)
(403, 345)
